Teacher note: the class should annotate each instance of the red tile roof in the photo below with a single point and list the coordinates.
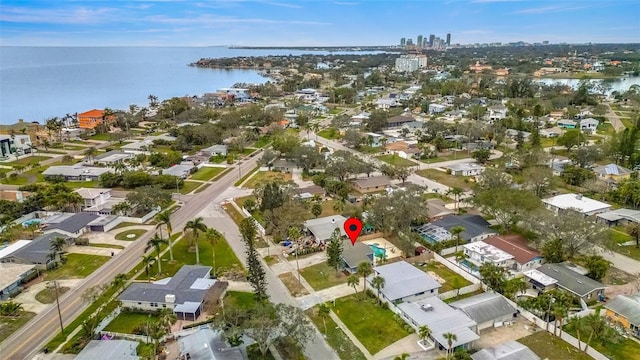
(515, 245)
(95, 113)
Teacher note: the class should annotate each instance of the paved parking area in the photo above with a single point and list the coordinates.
(496, 336)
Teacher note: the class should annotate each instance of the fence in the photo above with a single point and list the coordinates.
(140, 220)
(259, 226)
(465, 290)
(456, 269)
(103, 324)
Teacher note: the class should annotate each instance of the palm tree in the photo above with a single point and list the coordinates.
(634, 231)
(339, 204)
(164, 218)
(119, 281)
(166, 319)
(214, 236)
(353, 280)
(156, 242)
(323, 312)
(196, 225)
(56, 247)
(365, 269)
(295, 234)
(456, 231)
(456, 192)
(147, 261)
(450, 340)
(424, 332)
(90, 153)
(119, 167)
(378, 283)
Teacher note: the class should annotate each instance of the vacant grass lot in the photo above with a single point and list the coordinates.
(322, 276)
(48, 295)
(329, 134)
(126, 321)
(239, 299)
(373, 326)
(618, 236)
(29, 160)
(9, 324)
(335, 336)
(124, 235)
(206, 173)
(291, 282)
(265, 176)
(444, 178)
(446, 274)
(396, 160)
(77, 266)
(189, 186)
(547, 346)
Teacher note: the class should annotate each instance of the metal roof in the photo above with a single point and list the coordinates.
(109, 349)
(323, 227)
(206, 344)
(511, 350)
(484, 307)
(627, 306)
(403, 279)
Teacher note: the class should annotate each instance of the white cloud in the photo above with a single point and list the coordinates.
(551, 9)
(80, 15)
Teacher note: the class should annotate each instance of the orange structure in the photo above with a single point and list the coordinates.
(93, 118)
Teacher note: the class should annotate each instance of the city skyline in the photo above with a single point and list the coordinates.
(312, 23)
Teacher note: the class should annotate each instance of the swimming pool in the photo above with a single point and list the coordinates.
(378, 251)
(469, 265)
(31, 221)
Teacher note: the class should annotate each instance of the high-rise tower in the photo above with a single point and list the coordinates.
(449, 39)
(419, 42)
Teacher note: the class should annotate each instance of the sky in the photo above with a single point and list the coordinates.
(312, 22)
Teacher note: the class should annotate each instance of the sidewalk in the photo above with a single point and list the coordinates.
(350, 335)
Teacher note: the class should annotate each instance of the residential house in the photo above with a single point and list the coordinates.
(105, 223)
(589, 125)
(567, 124)
(404, 282)
(371, 184)
(404, 149)
(376, 139)
(510, 350)
(513, 134)
(182, 170)
(479, 253)
(612, 173)
(436, 109)
(385, 104)
(438, 209)
(215, 150)
(465, 169)
(92, 118)
(398, 121)
(488, 309)
(109, 349)
(619, 217)
(12, 276)
(98, 201)
(557, 166)
(75, 172)
(575, 202)
(207, 344)
(71, 225)
(283, 165)
(322, 228)
(624, 310)
(15, 145)
(13, 195)
(111, 158)
(309, 192)
(475, 228)
(184, 293)
(358, 119)
(355, 254)
(440, 318)
(551, 132)
(37, 252)
(549, 276)
(497, 112)
(524, 257)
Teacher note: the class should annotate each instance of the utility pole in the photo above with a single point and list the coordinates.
(177, 189)
(55, 286)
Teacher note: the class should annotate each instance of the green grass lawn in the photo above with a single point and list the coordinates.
(262, 142)
(329, 134)
(624, 349)
(446, 274)
(375, 327)
(33, 160)
(48, 295)
(396, 160)
(126, 321)
(444, 178)
(183, 254)
(246, 176)
(101, 137)
(617, 236)
(240, 299)
(107, 246)
(125, 224)
(264, 176)
(201, 188)
(335, 337)
(20, 180)
(124, 235)
(77, 266)
(9, 324)
(189, 186)
(547, 346)
(206, 173)
(322, 276)
(82, 184)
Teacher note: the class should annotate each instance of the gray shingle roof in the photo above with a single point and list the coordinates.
(403, 279)
(179, 285)
(206, 344)
(74, 223)
(511, 350)
(571, 280)
(109, 349)
(38, 249)
(474, 225)
(484, 307)
(323, 227)
(627, 306)
(356, 253)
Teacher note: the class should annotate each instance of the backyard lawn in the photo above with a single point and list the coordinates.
(77, 266)
(240, 299)
(617, 237)
(396, 160)
(335, 336)
(623, 349)
(322, 276)
(189, 186)
(126, 235)
(9, 324)
(264, 176)
(33, 160)
(206, 173)
(375, 327)
(446, 274)
(126, 322)
(444, 178)
(547, 346)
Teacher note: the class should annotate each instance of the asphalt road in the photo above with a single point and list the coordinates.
(33, 336)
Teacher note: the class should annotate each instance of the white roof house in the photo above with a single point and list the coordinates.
(480, 253)
(540, 277)
(576, 202)
(109, 349)
(404, 282)
(466, 169)
(511, 350)
(323, 227)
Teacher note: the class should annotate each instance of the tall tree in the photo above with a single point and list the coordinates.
(494, 276)
(334, 250)
(634, 231)
(597, 266)
(451, 338)
(365, 269)
(196, 226)
(256, 274)
(214, 236)
(378, 283)
(156, 242)
(164, 218)
(456, 231)
(353, 280)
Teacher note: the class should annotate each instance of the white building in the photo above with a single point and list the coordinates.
(498, 112)
(12, 145)
(404, 282)
(576, 202)
(465, 169)
(436, 108)
(410, 63)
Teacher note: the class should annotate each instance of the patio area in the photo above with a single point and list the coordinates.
(381, 244)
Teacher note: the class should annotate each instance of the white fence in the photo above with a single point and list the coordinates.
(465, 290)
(259, 226)
(140, 220)
(456, 269)
(103, 324)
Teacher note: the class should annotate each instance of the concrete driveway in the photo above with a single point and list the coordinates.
(28, 297)
(496, 336)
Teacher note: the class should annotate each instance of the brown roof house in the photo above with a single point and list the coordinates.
(524, 257)
(371, 184)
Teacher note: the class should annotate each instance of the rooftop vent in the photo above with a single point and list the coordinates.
(579, 196)
(426, 307)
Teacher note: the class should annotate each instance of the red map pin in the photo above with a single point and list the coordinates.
(353, 228)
